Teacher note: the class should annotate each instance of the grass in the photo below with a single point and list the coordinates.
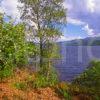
(25, 84)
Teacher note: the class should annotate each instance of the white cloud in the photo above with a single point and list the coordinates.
(91, 5)
(86, 27)
(86, 11)
(88, 30)
(67, 38)
(74, 21)
(10, 8)
(1, 10)
(66, 5)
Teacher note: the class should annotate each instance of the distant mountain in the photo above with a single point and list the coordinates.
(90, 41)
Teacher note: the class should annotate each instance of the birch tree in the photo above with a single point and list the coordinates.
(43, 16)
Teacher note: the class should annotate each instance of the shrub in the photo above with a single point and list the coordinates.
(90, 79)
(5, 73)
(52, 78)
(65, 94)
(42, 80)
(96, 97)
(21, 85)
(14, 50)
(63, 90)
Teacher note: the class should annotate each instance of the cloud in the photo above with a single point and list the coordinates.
(67, 38)
(86, 11)
(80, 12)
(91, 5)
(74, 21)
(10, 8)
(88, 30)
(1, 10)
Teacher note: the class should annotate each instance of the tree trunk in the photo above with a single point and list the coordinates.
(41, 53)
(48, 71)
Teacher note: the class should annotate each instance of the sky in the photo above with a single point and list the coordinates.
(82, 17)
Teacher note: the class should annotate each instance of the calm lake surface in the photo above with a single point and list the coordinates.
(74, 60)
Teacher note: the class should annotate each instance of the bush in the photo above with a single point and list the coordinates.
(63, 90)
(5, 73)
(65, 94)
(14, 50)
(97, 97)
(42, 80)
(21, 85)
(52, 77)
(12, 46)
(90, 79)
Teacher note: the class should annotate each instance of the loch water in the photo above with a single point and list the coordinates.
(75, 60)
